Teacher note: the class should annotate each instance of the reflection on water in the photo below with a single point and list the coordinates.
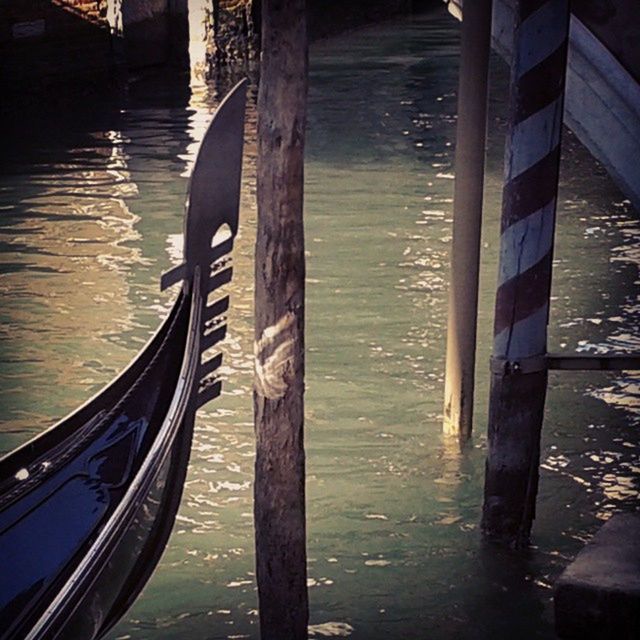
(92, 214)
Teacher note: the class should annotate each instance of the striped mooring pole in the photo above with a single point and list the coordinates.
(518, 369)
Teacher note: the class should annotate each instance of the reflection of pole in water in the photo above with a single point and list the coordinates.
(450, 484)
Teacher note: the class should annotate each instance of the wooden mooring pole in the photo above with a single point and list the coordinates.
(467, 218)
(524, 280)
(279, 489)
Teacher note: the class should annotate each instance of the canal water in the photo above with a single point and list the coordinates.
(92, 214)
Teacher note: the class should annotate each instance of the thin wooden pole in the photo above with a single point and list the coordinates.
(467, 218)
(524, 280)
(279, 489)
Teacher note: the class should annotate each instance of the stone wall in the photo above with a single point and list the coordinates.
(44, 42)
(234, 26)
(155, 32)
(49, 43)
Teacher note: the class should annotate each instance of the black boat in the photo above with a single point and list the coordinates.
(86, 508)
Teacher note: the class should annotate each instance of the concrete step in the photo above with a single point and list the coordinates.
(598, 595)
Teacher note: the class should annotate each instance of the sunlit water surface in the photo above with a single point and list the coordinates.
(92, 214)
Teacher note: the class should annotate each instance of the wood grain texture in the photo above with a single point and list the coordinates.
(279, 488)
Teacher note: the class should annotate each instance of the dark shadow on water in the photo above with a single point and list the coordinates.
(511, 586)
(60, 120)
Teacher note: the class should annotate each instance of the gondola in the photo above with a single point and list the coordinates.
(86, 508)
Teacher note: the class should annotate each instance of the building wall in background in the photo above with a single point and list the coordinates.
(44, 42)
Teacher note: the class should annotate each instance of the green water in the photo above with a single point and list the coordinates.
(91, 215)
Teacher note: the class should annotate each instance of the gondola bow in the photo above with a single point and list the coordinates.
(86, 508)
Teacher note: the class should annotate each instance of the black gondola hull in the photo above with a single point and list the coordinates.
(70, 491)
(87, 507)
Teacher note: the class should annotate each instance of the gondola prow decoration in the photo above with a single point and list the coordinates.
(215, 187)
(86, 507)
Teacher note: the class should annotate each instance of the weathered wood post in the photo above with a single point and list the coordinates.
(279, 488)
(519, 374)
(467, 218)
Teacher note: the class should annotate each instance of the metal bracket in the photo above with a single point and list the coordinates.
(569, 362)
(506, 367)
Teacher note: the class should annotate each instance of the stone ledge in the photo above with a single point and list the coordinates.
(598, 595)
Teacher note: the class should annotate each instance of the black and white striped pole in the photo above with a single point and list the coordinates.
(519, 372)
